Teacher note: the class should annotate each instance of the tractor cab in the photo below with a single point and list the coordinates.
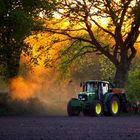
(95, 87)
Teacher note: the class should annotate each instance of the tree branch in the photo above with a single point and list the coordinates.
(98, 46)
(64, 32)
(105, 30)
(126, 5)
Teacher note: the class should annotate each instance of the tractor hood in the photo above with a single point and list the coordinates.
(83, 96)
(87, 93)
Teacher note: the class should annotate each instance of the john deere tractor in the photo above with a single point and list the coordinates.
(98, 98)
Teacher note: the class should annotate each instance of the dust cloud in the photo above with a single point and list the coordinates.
(42, 84)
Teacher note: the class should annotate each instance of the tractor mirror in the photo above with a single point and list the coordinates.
(82, 84)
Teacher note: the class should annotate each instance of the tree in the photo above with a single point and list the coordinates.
(122, 29)
(18, 19)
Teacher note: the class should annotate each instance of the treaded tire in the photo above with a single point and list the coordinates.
(96, 108)
(72, 111)
(113, 106)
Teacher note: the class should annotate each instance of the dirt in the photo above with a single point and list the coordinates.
(70, 128)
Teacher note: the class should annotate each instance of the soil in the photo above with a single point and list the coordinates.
(70, 128)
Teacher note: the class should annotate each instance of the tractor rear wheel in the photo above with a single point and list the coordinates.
(72, 111)
(96, 108)
(113, 106)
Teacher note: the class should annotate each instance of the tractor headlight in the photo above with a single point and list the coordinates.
(83, 97)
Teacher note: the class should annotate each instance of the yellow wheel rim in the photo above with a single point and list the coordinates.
(115, 107)
(98, 108)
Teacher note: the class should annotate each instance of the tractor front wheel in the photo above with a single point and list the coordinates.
(72, 111)
(96, 108)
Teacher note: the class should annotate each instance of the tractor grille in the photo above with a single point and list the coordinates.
(82, 97)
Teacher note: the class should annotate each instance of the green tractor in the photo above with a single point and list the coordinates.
(98, 98)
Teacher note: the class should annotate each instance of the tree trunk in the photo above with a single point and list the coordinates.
(13, 68)
(13, 63)
(121, 75)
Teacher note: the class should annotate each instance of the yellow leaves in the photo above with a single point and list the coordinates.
(46, 45)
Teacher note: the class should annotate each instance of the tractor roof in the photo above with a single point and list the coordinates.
(98, 81)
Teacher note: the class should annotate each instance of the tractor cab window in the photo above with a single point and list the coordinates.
(105, 88)
(90, 87)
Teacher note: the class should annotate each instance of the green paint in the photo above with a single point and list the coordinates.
(76, 103)
(92, 92)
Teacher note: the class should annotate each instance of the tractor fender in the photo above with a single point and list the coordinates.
(74, 102)
(109, 96)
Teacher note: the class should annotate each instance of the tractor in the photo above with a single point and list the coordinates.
(98, 98)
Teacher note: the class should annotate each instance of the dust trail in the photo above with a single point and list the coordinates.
(43, 85)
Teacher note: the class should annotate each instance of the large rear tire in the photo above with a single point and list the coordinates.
(96, 108)
(72, 111)
(113, 106)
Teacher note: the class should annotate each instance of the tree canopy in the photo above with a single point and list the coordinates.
(118, 20)
(18, 18)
